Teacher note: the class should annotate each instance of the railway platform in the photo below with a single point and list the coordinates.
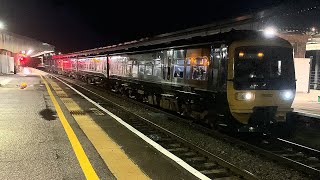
(307, 104)
(49, 132)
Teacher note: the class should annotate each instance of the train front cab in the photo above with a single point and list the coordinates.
(261, 83)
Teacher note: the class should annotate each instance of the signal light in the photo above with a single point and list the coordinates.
(22, 59)
(260, 54)
(241, 54)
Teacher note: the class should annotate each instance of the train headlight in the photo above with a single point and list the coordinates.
(245, 96)
(270, 32)
(287, 95)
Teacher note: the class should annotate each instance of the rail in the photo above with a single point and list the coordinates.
(291, 154)
(205, 162)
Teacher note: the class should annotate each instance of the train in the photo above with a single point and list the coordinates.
(241, 79)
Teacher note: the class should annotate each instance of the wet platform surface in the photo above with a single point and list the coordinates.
(307, 103)
(307, 127)
(34, 143)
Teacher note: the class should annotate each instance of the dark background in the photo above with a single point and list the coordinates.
(76, 25)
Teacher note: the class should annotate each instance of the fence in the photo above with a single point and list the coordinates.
(315, 80)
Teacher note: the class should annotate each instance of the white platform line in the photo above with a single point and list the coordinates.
(307, 113)
(179, 161)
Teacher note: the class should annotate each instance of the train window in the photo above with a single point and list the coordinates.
(188, 72)
(113, 60)
(178, 63)
(157, 67)
(188, 69)
(74, 64)
(149, 69)
(135, 68)
(199, 68)
(156, 60)
(271, 71)
(97, 64)
(105, 66)
(223, 74)
(80, 64)
(196, 63)
(215, 67)
(169, 69)
(141, 69)
(129, 68)
(223, 68)
(92, 65)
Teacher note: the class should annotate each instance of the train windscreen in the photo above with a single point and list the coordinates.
(264, 68)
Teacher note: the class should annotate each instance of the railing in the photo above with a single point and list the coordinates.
(315, 80)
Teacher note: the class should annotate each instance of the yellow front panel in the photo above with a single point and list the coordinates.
(242, 109)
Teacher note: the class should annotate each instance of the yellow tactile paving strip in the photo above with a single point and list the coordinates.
(84, 162)
(115, 158)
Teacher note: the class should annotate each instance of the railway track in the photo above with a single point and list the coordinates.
(205, 162)
(299, 157)
(292, 154)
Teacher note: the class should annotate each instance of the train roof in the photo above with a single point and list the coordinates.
(147, 45)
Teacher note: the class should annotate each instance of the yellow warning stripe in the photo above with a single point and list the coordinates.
(85, 164)
(121, 166)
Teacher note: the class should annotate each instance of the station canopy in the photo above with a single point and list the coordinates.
(20, 44)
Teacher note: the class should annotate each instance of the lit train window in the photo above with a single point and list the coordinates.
(264, 67)
(199, 67)
(178, 63)
(179, 68)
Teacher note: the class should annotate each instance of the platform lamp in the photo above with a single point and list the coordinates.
(2, 25)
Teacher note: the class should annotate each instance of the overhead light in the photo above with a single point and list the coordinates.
(270, 32)
(2, 26)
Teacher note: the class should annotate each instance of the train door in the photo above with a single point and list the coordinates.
(217, 77)
(167, 66)
(178, 66)
(105, 66)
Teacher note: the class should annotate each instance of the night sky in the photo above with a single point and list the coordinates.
(76, 25)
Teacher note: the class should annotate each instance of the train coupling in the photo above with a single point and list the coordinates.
(261, 119)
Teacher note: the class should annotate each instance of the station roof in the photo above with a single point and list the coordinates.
(313, 43)
(16, 43)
